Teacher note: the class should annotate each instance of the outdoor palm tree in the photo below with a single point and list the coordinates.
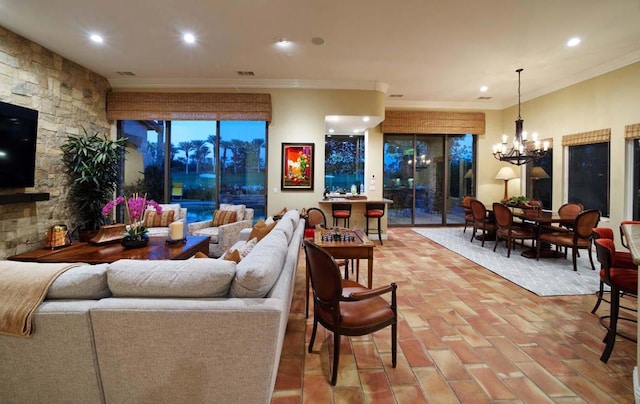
(211, 139)
(201, 151)
(226, 145)
(186, 147)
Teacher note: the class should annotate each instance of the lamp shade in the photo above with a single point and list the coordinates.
(469, 173)
(506, 173)
(538, 173)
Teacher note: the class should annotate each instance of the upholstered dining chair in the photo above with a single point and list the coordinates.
(481, 220)
(620, 280)
(579, 238)
(354, 312)
(468, 214)
(506, 230)
(622, 259)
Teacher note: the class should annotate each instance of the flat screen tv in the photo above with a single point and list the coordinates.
(18, 132)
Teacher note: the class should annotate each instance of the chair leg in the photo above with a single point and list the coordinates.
(394, 343)
(496, 243)
(473, 233)
(599, 293)
(379, 232)
(484, 236)
(610, 338)
(574, 257)
(313, 334)
(509, 242)
(591, 259)
(336, 358)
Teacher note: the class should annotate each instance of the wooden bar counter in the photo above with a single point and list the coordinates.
(632, 234)
(357, 220)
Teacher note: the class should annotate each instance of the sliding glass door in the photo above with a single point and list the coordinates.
(426, 177)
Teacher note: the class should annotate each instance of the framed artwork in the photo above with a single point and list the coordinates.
(297, 166)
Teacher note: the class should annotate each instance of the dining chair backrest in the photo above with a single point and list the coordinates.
(570, 209)
(585, 222)
(479, 210)
(466, 202)
(326, 280)
(315, 217)
(503, 215)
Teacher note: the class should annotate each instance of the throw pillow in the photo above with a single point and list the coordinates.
(221, 217)
(247, 247)
(152, 219)
(260, 230)
(233, 256)
(239, 209)
(200, 255)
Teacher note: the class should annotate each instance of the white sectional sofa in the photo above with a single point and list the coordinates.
(195, 331)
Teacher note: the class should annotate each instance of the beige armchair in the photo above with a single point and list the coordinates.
(179, 214)
(226, 235)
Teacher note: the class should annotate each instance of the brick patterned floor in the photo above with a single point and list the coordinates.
(465, 335)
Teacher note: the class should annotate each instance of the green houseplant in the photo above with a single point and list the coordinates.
(92, 165)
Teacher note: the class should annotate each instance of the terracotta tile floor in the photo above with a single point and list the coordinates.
(465, 335)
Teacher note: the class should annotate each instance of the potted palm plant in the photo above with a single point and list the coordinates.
(92, 165)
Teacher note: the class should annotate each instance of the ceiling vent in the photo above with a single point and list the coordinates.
(125, 74)
(396, 95)
(246, 73)
(484, 98)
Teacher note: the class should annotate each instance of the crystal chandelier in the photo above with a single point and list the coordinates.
(522, 149)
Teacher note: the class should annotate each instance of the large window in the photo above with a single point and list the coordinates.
(344, 163)
(588, 169)
(540, 180)
(207, 163)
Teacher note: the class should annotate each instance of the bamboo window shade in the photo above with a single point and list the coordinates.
(594, 136)
(426, 122)
(632, 131)
(188, 106)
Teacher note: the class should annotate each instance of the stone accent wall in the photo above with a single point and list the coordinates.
(69, 98)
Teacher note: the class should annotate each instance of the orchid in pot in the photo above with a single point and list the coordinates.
(135, 206)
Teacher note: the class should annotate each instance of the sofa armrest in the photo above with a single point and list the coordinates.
(229, 234)
(244, 234)
(198, 226)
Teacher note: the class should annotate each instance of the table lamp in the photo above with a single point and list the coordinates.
(537, 173)
(506, 174)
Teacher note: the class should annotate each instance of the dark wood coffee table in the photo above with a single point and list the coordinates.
(157, 249)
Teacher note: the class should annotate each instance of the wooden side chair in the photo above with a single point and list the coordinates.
(468, 214)
(579, 238)
(361, 311)
(506, 230)
(481, 220)
(620, 280)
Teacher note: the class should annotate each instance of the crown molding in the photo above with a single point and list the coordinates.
(445, 105)
(128, 82)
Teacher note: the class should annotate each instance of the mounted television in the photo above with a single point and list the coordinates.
(18, 132)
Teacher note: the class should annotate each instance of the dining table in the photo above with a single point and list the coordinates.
(540, 221)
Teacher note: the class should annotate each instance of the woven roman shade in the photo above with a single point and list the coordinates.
(594, 136)
(188, 106)
(632, 131)
(424, 122)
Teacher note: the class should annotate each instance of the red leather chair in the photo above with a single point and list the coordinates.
(620, 280)
(481, 220)
(506, 230)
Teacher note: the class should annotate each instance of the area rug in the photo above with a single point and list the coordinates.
(546, 277)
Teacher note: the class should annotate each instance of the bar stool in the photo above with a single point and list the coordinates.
(374, 210)
(341, 211)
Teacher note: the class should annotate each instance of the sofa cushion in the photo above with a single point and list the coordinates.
(260, 229)
(257, 273)
(233, 255)
(286, 226)
(153, 219)
(240, 209)
(246, 248)
(189, 278)
(82, 282)
(221, 217)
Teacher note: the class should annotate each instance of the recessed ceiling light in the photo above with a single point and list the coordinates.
(331, 130)
(189, 38)
(96, 38)
(484, 89)
(575, 41)
(365, 119)
(283, 42)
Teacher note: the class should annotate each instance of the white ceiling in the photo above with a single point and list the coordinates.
(435, 53)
